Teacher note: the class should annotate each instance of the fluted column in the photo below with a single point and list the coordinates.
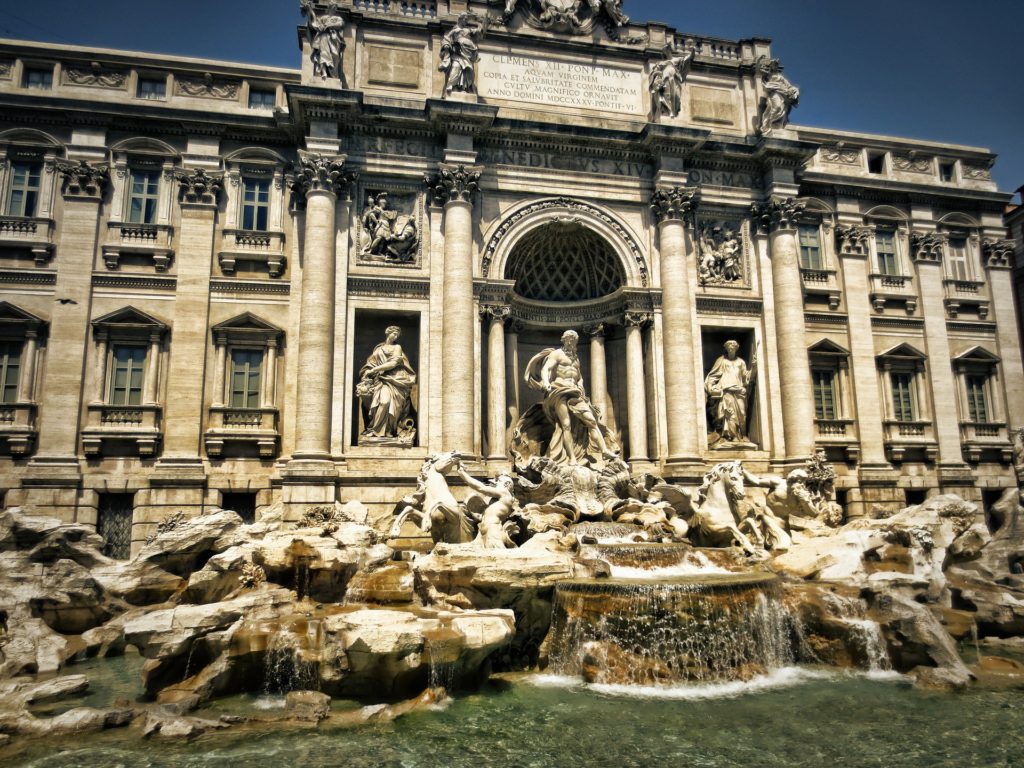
(791, 339)
(672, 207)
(599, 374)
(319, 182)
(636, 395)
(454, 185)
(497, 314)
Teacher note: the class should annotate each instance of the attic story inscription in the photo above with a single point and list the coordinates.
(560, 83)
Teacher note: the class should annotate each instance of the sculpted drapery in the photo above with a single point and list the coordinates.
(385, 388)
(727, 386)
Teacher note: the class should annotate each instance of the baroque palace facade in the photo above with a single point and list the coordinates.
(240, 285)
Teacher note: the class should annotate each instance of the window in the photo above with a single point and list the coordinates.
(128, 363)
(10, 371)
(825, 395)
(810, 248)
(38, 79)
(255, 204)
(143, 196)
(957, 264)
(23, 192)
(152, 88)
(902, 396)
(977, 402)
(262, 99)
(885, 245)
(246, 376)
(242, 503)
(947, 171)
(876, 162)
(114, 519)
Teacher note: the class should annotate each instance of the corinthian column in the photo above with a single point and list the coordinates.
(319, 182)
(635, 394)
(454, 185)
(497, 314)
(794, 367)
(672, 206)
(599, 375)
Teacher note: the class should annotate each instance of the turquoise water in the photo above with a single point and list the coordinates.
(793, 718)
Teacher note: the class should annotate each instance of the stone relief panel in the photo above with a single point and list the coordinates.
(95, 76)
(840, 155)
(6, 69)
(206, 87)
(912, 163)
(574, 17)
(390, 226)
(721, 253)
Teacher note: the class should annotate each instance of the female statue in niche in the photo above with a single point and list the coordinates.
(728, 387)
(385, 390)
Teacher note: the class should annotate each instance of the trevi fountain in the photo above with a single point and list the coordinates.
(655, 562)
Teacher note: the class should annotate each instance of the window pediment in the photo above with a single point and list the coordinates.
(827, 348)
(246, 328)
(15, 319)
(129, 321)
(902, 356)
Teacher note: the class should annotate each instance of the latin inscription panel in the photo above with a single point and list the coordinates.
(557, 83)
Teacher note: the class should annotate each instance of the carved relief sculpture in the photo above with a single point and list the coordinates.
(324, 33)
(566, 426)
(721, 253)
(728, 388)
(460, 49)
(575, 17)
(780, 96)
(666, 84)
(387, 235)
(385, 390)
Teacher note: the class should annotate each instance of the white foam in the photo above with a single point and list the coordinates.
(672, 571)
(785, 677)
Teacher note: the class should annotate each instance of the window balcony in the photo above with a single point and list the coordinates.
(250, 245)
(910, 440)
(17, 428)
(895, 289)
(821, 282)
(965, 293)
(981, 439)
(114, 428)
(31, 234)
(150, 240)
(245, 428)
(838, 434)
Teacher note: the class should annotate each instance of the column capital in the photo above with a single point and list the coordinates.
(926, 247)
(674, 203)
(453, 183)
(595, 330)
(778, 213)
(853, 240)
(83, 181)
(497, 312)
(998, 254)
(321, 174)
(637, 319)
(197, 187)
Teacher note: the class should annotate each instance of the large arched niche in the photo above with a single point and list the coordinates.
(615, 255)
(564, 262)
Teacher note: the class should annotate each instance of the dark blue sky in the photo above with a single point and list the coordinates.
(946, 70)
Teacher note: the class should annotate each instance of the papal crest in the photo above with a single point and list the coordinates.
(575, 17)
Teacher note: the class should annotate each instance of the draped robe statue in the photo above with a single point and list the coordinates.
(727, 387)
(385, 389)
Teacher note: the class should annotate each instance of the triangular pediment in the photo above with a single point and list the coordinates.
(129, 317)
(828, 347)
(10, 314)
(904, 351)
(977, 354)
(247, 321)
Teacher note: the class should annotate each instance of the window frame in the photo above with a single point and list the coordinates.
(150, 197)
(965, 261)
(33, 193)
(262, 187)
(46, 74)
(9, 371)
(144, 80)
(803, 229)
(131, 370)
(263, 103)
(905, 411)
(897, 268)
(255, 395)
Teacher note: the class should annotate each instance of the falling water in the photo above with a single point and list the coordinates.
(867, 634)
(287, 664)
(645, 632)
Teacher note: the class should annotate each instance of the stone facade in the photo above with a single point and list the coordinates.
(197, 259)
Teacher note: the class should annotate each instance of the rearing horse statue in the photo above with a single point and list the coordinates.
(719, 521)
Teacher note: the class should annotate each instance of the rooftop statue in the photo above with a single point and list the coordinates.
(780, 96)
(459, 53)
(324, 33)
(566, 426)
(666, 83)
(576, 17)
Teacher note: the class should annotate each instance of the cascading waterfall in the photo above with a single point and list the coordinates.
(644, 632)
(865, 632)
(288, 664)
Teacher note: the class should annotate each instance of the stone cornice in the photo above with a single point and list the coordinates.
(460, 117)
(361, 285)
(133, 282)
(721, 305)
(28, 277)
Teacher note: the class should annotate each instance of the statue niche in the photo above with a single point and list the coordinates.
(386, 390)
(729, 386)
(388, 235)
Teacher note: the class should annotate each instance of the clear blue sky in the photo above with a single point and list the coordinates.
(932, 69)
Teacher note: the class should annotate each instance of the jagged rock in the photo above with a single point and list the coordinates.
(47, 538)
(316, 566)
(394, 583)
(66, 597)
(138, 582)
(181, 549)
(971, 542)
(30, 647)
(166, 725)
(221, 576)
(307, 705)
(998, 607)
(78, 720)
(22, 692)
